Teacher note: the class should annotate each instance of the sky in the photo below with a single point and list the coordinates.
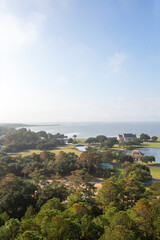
(79, 60)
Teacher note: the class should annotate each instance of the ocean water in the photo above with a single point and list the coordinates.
(85, 129)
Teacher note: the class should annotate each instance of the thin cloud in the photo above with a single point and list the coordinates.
(116, 62)
(16, 32)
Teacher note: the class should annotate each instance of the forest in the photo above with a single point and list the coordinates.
(23, 139)
(48, 196)
(35, 202)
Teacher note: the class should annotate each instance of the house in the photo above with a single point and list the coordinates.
(137, 155)
(120, 138)
(126, 137)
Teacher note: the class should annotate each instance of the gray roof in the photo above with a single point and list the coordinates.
(129, 135)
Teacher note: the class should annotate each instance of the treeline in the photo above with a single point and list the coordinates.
(121, 210)
(46, 164)
(5, 130)
(107, 142)
(24, 139)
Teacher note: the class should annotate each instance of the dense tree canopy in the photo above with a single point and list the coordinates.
(50, 196)
(23, 139)
(144, 137)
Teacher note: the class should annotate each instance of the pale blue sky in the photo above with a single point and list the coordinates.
(79, 60)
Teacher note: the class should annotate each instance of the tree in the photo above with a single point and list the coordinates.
(143, 218)
(140, 172)
(126, 158)
(89, 160)
(107, 156)
(122, 193)
(65, 163)
(74, 136)
(154, 138)
(119, 232)
(16, 195)
(101, 138)
(108, 193)
(91, 140)
(57, 190)
(144, 137)
(26, 170)
(154, 191)
(79, 181)
(147, 159)
(31, 235)
(109, 143)
(70, 140)
(10, 229)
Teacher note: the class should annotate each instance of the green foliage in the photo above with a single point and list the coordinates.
(154, 138)
(144, 137)
(5, 130)
(65, 163)
(107, 156)
(138, 171)
(91, 140)
(122, 208)
(70, 140)
(126, 158)
(30, 212)
(31, 235)
(49, 191)
(153, 191)
(121, 193)
(10, 229)
(16, 195)
(90, 161)
(24, 139)
(147, 159)
(109, 143)
(119, 232)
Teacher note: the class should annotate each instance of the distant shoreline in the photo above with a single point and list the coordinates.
(42, 125)
(19, 125)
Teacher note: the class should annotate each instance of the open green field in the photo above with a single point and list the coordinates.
(151, 144)
(155, 172)
(117, 147)
(67, 149)
(81, 139)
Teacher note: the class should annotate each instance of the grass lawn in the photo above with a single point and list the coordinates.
(67, 149)
(151, 144)
(117, 147)
(155, 172)
(81, 139)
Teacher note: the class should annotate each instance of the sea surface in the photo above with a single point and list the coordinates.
(85, 129)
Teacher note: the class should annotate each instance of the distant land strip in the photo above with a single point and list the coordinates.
(16, 125)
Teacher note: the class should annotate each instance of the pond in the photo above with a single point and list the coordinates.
(81, 148)
(146, 151)
(151, 152)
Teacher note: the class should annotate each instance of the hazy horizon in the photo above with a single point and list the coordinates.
(56, 122)
(79, 61)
